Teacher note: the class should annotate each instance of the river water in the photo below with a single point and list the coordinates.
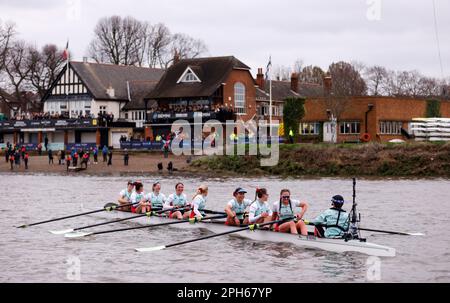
(35, 255)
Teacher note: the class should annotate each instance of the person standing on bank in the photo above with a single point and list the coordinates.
(126, 157)
(75, 159)
(69, 158)
(46, 143)
(109, 157)
(50, 156)
(11, 160)
(291, 136)
(104, 152)
(95, 155)
(25, 160)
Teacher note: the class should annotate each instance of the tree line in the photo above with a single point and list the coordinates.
(357, 79)
(27, 72)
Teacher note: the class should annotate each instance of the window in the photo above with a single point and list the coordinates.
(350, 127)
(312, 128)
(188, 76)
(263, 110)
(390, 127)
(239, 98)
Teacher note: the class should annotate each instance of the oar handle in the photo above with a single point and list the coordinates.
(249, 227)
(148, 214)
(154, 225)
(108, 208)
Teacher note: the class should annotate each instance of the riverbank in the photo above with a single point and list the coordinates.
(139, 164)
(414, 160)
(343, 160)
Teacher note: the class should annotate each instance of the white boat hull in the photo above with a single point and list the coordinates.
(334, 245)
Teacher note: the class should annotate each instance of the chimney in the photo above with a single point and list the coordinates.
(327, 83)
(260, 79)
(110, 91)
(294, 82)
(176, 57)
(85, 59)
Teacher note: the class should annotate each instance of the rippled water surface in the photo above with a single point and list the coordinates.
(35, 255)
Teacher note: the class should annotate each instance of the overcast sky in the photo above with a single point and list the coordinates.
(397, 34)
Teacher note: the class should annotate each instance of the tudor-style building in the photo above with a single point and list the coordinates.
(92, 88)
(89, 91)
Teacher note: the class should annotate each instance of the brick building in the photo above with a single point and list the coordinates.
(383, 118)
(221, 88)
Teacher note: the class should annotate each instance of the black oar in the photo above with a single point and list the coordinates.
(249, 227)
(111, 207)
(148, 214)
(191, 220)
(392, 232)
(373, 230)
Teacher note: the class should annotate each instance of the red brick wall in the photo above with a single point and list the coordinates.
(250, 91)
(385, 109)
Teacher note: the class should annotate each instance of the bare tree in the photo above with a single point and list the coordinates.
(376, 78)
(158, 45)
(346, 83)
(17, 70)
(185, 47)
(119, 41)
(311, 74)
(7, 32)
(281, 73)
(298, 66)
(45, 67)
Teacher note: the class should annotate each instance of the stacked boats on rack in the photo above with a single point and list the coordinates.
(431, 129)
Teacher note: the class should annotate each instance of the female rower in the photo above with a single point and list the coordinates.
(198, 203)
(284, 210)
(236, 208)
(178, 200)
(260, 211)
(125, 196)
(138, 199)
(156, 198)
(335, 219)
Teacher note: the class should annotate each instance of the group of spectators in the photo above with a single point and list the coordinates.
(39, 116)
(14, 154)
(103, 117)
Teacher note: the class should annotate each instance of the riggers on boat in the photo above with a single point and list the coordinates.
(310, 241)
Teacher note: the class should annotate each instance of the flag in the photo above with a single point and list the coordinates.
(66, 51)
(269, 65)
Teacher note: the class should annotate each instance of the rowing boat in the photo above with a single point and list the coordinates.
(217, 226)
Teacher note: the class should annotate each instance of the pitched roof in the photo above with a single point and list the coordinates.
(138, 91)
(212, 71)
(310, 90)
(99, 77)
(282, 90)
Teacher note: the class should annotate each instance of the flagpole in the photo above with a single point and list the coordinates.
(67, 77)
(270, 101)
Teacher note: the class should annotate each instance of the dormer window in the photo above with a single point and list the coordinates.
(188, 76)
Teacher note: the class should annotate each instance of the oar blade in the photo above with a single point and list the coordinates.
(149, 249)
(61, 232)
(416, 234)
(77, 234)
